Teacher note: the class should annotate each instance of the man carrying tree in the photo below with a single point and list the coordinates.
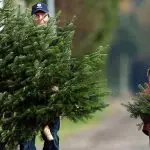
(49, 134)
(32, 66)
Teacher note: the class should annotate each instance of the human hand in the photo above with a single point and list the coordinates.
(55, 88)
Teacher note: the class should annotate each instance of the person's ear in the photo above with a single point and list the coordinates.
(148, 73)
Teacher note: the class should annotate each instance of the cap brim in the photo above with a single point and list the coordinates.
(39, 10)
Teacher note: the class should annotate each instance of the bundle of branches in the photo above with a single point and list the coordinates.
(140, 107)
(33, 59)
(141, 102)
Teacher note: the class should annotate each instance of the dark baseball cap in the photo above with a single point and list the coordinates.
(39, 7)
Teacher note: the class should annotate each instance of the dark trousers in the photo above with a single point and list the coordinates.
(2, 146)
(54, 144)
(48, 145)
(28, 145)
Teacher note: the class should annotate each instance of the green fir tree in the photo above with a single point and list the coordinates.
(141, 102)
(33, 59)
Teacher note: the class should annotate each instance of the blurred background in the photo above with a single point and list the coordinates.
(124, 25)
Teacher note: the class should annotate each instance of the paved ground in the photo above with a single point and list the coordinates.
(117, 132)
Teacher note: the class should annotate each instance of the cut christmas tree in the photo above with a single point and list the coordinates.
(140, 107)
(34, 59)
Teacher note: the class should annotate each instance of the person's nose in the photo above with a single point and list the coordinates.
(40, 17)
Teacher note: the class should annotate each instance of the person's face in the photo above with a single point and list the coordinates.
(41, 18)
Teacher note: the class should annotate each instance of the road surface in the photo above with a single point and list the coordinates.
(116, 132)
